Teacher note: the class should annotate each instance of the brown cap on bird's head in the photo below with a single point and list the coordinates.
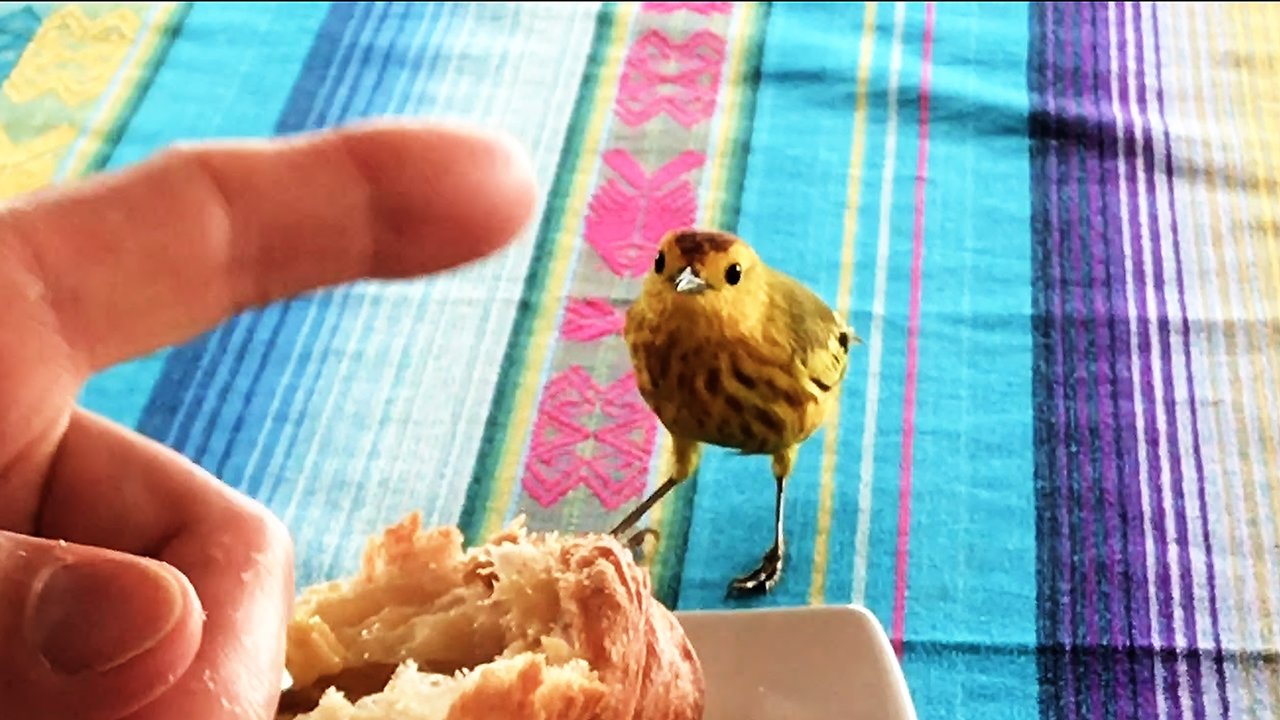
(695, 260)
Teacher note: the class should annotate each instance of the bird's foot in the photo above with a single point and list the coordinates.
(636, 543)
(761, 580)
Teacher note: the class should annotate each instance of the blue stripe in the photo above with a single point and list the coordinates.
(973, 500)
(294, 436)
(236, 435)
(240, 39)
(225, 437)
(209, 420)
(188, 432)
(792, 212)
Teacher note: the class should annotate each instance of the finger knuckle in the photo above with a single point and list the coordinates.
(265, 531)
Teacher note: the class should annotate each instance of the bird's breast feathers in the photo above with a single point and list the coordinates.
(724, 388)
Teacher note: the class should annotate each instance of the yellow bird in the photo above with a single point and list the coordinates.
(732, 353)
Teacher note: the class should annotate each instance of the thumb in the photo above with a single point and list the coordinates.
(89, 633)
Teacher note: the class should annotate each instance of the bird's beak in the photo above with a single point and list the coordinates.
(689, 283)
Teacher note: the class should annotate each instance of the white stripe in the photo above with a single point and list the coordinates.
(445, 300)
(1176, 377)
(453, 462)
(356, 423)
(875, 346)
(1197, 238)
(1235, 626)
(1233, 165)
(1134, 360)
(1188, 229)
(463, 307)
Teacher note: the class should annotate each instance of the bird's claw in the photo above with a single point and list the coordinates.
(761, 580)
(637, 538)
(635, 543)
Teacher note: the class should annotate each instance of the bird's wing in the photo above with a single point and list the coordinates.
(820, 340)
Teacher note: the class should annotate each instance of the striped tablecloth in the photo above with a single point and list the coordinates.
(1053, 472)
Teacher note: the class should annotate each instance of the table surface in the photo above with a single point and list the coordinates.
(1053, 470)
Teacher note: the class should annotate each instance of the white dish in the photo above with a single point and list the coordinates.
(806, 663)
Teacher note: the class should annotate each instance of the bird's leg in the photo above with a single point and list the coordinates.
(639, 510)
(685, 454)
(763, 578)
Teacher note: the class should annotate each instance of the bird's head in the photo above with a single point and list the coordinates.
(706, 267)
(707, 273)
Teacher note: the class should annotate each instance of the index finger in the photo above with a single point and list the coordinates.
(153, 255)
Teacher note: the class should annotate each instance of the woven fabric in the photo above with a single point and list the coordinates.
(1053, 471)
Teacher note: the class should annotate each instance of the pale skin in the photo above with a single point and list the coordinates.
(123, 264)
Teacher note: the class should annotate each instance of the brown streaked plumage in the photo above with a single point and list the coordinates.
(730, 352)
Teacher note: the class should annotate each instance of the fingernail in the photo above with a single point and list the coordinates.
(98, 614)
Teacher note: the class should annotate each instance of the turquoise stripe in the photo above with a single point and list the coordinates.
(792, 213)
(972, 563)
(240, 39)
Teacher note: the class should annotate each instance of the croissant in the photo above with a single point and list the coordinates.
(543, 626)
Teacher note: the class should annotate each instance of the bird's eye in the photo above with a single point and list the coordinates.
(733, 274)
(659, 263)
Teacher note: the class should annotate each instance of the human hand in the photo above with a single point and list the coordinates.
(123, 264)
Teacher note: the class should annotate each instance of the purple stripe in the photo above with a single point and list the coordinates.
(1083, 548)
(1185, 576)
(1097, 102)
(1063, 35)
(1219, 669)
(1066, 705)
(1056, 570)
(1156, 472)
(1134, 617)
(1173, 473)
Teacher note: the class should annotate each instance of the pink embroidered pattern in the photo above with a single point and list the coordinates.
(679, 79)
(702, 8)
(629, 212)
(611, 461)
(591, 319)
(601, 434)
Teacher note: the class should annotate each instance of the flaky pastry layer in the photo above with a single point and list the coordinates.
(527, 625)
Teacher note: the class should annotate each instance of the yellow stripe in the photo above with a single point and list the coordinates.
(570, 230)
(1236, 349)
(1266, 247)
(844, 297)
(1256, 468)
(67, 67)
(124, 89)
(721, 155)
(1215, 236)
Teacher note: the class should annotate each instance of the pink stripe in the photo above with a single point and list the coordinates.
(913, 333)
